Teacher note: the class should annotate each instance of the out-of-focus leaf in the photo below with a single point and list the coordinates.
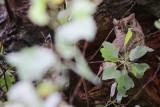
(119, 97)
(138, 52)
(25, 93)
(63, 16)
(46, 88)
(53, 100)
(56, 2)
(83, 69)
(82, 8)
(76, 30)
(157, 24)
(37, 12)
(14, 105)
(109, 52)
(32, 63)
(113, 89)
(128, 37)
(139, 69)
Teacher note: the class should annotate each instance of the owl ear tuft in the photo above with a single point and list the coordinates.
(115, 21)
(132, 15)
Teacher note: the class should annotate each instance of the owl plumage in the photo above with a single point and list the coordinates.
(121, 28)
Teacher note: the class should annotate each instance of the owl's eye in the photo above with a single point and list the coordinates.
(119, 28)
(130, 23)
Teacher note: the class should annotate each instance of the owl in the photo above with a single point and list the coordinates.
(121, 28)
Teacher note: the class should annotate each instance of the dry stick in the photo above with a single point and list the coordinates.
(9, 10)
(76, 90)
(144, 86)
(111, 32)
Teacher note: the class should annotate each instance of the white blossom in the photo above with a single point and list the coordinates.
(32, 63)
(82, 8)
(76, 30)
(24, 93)
(15, 105)
(53, 100)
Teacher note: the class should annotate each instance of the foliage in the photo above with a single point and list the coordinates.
(138, 52)
(109, 52)
(8, 80)
(139, 69)
(71, 25)
(120, 72)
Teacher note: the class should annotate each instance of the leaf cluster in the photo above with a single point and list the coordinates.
(121, 65)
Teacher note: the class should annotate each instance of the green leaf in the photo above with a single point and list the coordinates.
(128, 37)
(124, 84)
(138, 52)
(110, 73)
(1, 49)
(100, 106)
(109, 52)
(2, 82)
(157, 24)
(139, 69)
(9, 79)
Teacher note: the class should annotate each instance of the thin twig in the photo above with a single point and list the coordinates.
(9, 10)
(95, 62)
(86, 91)
(76, 90)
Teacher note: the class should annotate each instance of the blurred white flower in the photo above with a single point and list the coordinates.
(15, 105)
(76, 30)
(53, 100)
(82, 8)
(24, 92)
(32, 63)
(63, 16)
(67, 51)
(38, 13)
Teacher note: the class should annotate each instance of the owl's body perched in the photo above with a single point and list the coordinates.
(121, 28)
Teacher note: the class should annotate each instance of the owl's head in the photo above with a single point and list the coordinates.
(121, 26)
